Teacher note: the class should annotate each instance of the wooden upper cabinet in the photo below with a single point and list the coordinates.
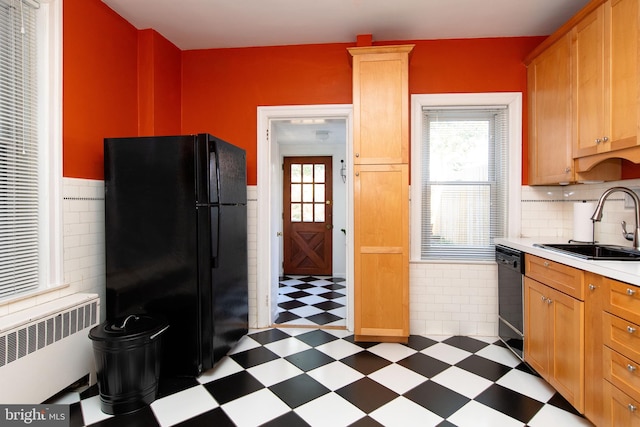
(381, 104)
(605, 62)
(550, 144)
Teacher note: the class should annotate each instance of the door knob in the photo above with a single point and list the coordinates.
(329, 226)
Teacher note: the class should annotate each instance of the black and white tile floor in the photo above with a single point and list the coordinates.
(300, 376)
(311, 301)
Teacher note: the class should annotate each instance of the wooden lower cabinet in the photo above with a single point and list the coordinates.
(381, 262)
(554, 343)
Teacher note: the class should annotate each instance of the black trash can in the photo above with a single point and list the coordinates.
(127, 356)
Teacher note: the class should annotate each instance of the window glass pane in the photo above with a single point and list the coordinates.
(319, 193)
(296, 212)
(319, 214)
(307, 173)
(296, 173)
(460, 215)
(307, 192)
(459, 150)
(307, 212)
(296, 193)
(319, 175)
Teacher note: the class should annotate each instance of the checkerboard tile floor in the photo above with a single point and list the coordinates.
(312, 377)
(311, 301)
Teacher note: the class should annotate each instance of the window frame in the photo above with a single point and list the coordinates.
(49, 111)
(513, 100)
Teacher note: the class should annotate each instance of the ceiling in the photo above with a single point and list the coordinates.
(206, 24)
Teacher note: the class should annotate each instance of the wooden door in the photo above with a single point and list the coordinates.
(307, 215)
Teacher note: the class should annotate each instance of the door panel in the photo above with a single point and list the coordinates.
(308, 212)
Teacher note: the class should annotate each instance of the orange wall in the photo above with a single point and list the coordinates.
(100, 84)
(159, 85)
(222, 88)
(119, 81)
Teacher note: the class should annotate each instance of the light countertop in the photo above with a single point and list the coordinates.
(624, 271)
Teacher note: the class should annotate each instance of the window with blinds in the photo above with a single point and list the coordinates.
(19, 155)
(464, 182)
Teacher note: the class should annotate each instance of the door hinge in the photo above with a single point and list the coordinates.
(267, 134)
(266, 300)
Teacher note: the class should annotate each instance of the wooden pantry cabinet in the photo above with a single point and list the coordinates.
(381, 192)
(554, 326)
(605, 60)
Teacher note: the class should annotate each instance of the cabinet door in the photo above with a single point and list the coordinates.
(381, 239)
(381, 104)
(536, 326)
(589, 99)
(567, 347)
(593, 369)
(550, 144)
(623, 72)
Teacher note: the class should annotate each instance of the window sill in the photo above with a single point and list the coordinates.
(453, 261)
(33, 294)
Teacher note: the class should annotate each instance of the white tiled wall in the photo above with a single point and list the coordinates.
(452, 298)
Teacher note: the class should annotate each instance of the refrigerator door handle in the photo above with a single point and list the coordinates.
(215, 235)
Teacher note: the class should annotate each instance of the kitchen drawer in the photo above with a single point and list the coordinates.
(561, 277)
(623, 300)
(622, 372)
(621, 335)
(620, 410)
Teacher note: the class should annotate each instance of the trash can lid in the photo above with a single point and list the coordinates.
(127, 328)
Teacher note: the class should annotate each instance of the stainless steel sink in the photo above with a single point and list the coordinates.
(594, 251)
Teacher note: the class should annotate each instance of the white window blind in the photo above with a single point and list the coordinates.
(19, 269)
(464, 182)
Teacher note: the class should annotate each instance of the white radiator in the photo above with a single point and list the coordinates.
(46, 348)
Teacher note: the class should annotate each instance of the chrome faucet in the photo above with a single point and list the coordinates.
(597, 215)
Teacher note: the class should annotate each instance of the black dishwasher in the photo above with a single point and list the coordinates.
(510, 298)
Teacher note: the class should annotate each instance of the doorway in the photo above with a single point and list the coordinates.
(275, 142)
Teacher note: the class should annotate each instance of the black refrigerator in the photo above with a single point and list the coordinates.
(176, 242)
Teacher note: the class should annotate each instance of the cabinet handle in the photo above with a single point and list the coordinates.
(592, 287)
(357, 173)
(631, 368)
(632, 407)
(549, 301)
(631, 329)
(546, 264)
(605, 138)
(567, 169)
(598, 141)
(357, 154)
(630, 292)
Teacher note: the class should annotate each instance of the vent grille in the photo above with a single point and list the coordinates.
(38, 335)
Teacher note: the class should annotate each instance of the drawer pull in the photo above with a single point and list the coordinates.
(592, 287)
(631, 292)
(631, 329)
(546, 264)
(632, 407)
(631, 368)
